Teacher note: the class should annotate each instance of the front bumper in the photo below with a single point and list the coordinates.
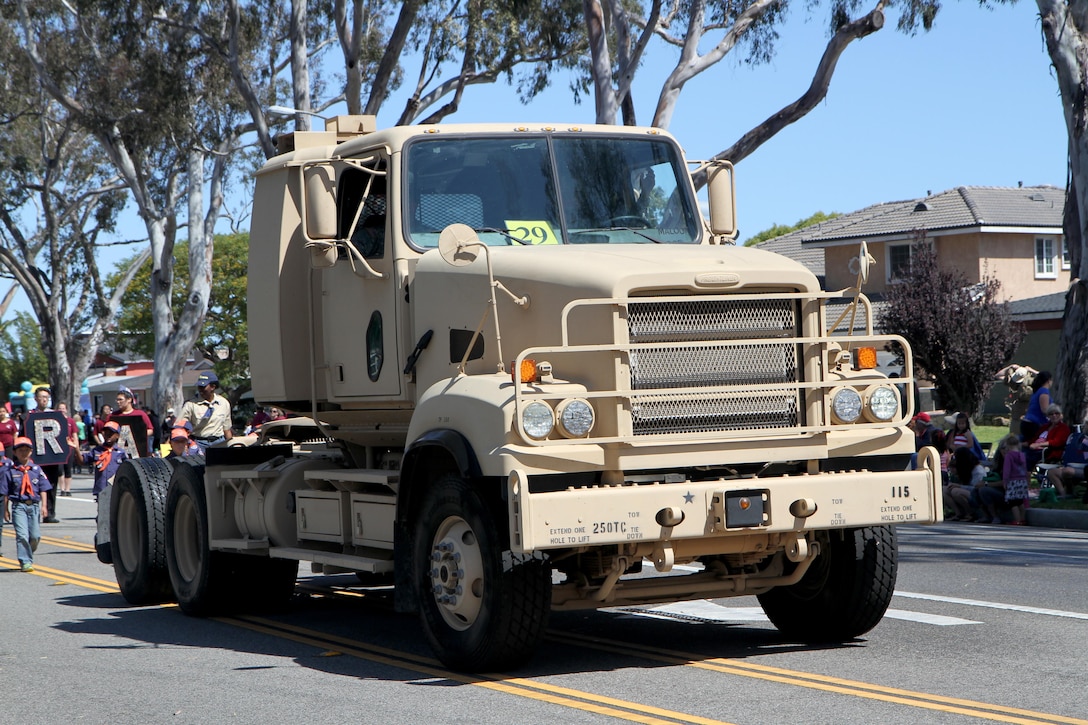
(639, 513)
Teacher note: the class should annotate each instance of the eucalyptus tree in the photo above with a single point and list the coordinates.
(165, 113)
(720, 28)
(58, 198)
(451, 46)
(224, 336)
(1065, 31)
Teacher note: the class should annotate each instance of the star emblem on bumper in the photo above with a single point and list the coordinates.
(689, 497)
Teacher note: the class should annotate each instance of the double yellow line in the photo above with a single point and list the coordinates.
(826, 683)
(585, 701)
(519, 686)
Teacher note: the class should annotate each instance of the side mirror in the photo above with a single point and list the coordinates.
(319, 213)
(318, 202)
(721, 192)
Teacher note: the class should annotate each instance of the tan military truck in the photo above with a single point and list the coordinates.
(532, 377)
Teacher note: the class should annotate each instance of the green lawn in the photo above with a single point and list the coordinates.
(990, 433)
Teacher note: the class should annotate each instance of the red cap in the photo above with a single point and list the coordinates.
(22, 441)
(924, 417)
(179, 434)
(112, 425)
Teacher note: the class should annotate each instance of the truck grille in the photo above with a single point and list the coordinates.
(698, 379)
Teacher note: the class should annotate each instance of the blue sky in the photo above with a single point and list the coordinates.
(972, 102)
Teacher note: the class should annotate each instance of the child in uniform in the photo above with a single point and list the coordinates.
(107, 457)
(25, 503)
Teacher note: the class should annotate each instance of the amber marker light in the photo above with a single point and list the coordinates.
(745, 503)
(864, 358)
(526, 373)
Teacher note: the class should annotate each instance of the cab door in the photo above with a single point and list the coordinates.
(358, 293)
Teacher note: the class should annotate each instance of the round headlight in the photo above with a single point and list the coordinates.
(537, 420)
(575, 418)
(883, 404)
(846, 405)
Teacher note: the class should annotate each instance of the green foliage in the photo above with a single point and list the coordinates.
(23, 357)
(779, 229)
(959, 332)
(224, 330)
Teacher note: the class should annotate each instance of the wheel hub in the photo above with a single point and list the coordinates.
(456, 573)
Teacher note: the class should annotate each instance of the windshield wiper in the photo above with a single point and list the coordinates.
(639, 232)
(506, 233)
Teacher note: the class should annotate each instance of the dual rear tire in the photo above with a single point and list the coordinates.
(210, 582)
(159, 545)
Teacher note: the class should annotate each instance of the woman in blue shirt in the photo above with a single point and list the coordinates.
(1036, 418)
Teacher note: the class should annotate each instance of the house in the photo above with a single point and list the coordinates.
(1013, 234)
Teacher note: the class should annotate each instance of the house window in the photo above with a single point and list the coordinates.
(1065, 255)
(898, 261)
(1044, 258)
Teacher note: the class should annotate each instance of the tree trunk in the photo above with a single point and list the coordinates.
(300, 65)
(1064, 27)
(601, 59)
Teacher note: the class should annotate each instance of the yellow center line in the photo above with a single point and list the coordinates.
(972, 708)
(65, 542)
(99, 585)
(587, 701)
(520, 687)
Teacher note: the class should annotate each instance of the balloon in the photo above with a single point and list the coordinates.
(26, 386)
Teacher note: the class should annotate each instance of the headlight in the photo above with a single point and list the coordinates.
(883, 404)
(575, 418)
(537, 420)
(846, 405)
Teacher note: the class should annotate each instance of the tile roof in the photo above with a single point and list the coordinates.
(962, 207)
(789, 246)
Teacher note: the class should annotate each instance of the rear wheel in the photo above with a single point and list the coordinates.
(844, 593)
(483, 607)
(212, 582)
(138, 530)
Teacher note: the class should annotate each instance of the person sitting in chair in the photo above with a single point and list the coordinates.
(1071, 471)
(1049, 444)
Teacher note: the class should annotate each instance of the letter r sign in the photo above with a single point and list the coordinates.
(49, 433)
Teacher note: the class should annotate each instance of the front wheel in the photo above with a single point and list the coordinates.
(483, 607)
(844, 593)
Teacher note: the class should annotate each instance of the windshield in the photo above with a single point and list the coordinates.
(550, 190)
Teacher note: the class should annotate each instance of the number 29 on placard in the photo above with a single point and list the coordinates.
(532, 232)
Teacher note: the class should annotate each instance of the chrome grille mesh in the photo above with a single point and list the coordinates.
(710, 320)
(702, 358)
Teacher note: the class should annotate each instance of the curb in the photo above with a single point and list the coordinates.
(1057, 519)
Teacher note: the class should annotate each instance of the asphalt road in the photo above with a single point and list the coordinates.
(989, 624)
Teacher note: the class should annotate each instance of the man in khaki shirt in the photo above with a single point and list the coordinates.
(209, 414)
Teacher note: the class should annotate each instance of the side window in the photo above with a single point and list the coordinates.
(362, 210)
